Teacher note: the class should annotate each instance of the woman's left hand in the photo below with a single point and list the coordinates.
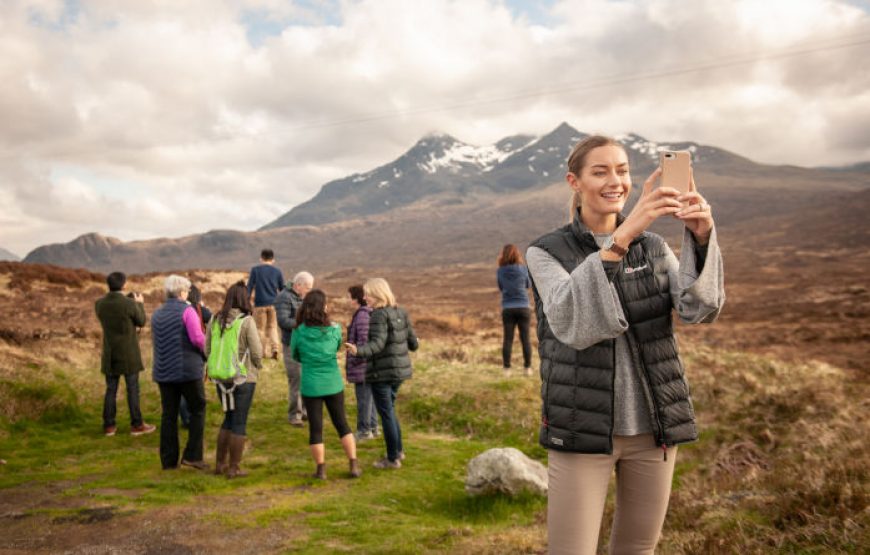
(696, 214)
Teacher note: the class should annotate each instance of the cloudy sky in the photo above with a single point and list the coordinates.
(140, 119)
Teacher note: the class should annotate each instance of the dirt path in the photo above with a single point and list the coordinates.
(43, 519)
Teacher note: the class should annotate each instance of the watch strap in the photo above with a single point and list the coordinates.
(613, 247)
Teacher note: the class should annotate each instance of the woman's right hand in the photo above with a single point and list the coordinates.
(652, 204)
(351, 348)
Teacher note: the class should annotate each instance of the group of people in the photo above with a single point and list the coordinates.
(614, 393)
(190, 345)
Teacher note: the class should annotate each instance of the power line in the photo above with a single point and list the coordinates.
(731, 61)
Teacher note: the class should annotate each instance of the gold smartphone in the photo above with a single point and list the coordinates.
(676, 165)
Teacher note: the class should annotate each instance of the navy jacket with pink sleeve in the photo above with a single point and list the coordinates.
(358, 334)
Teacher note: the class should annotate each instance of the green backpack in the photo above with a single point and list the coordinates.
(225, 366)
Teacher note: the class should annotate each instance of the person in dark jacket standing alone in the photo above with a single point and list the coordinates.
(614, 390)
(287, 304)
(179, 344)
(265, 281)
(513, 282)
(358, 334)
(119, 317)
(391, 336)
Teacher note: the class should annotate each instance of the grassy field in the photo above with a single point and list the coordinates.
(782, 465)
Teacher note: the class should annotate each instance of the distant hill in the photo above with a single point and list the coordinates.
(444, 168)
(446, 202)
(8, 255)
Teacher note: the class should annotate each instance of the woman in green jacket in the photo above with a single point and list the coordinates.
(314, 344)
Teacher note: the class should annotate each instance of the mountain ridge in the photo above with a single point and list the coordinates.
(463, 199)
(8, 255)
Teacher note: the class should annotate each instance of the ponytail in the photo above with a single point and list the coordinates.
(573, 206)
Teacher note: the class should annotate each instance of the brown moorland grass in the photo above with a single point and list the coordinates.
(781, 465)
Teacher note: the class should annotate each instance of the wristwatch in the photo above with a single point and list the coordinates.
(610, 245)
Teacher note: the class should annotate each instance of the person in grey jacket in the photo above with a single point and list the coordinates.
(391, 337)
(287, 303)
(614, 390)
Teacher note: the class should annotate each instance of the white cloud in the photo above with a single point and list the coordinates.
(224, 114)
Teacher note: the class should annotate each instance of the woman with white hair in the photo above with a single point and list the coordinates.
(178, 370)
(390, 338)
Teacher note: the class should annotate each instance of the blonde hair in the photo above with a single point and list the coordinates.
(576, 161)
(379, 293)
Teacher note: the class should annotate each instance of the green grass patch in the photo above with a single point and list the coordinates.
(781, 465)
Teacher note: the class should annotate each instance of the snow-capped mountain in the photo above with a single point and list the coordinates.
(440, 167)
(446, 170)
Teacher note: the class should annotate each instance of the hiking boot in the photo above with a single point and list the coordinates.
(110, 430)
(507, 371)
(199, 465)
(361, 436)
(528, 371)
(296, 422)
(142, 429)
(401, 455)
(237, 449)
(355, 469)
(223, 449)
(386, 463)
(320, 473)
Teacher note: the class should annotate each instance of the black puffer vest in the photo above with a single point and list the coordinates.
(577, 389)
(391, 336)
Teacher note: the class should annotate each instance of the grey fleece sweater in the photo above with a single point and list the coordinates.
(583, 309)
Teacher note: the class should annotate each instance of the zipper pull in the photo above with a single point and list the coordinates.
(665, 450)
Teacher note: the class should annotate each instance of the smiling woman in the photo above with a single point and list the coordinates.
(614, 393)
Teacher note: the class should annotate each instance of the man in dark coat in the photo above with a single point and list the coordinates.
(119, 317)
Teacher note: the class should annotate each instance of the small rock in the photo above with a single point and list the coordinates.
(506, 470)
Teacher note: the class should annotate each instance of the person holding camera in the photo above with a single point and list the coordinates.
(120, 316)
(614, 392)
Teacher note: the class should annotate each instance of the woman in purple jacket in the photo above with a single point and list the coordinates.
(358, 333)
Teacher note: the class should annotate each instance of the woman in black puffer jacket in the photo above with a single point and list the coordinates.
(390, 339)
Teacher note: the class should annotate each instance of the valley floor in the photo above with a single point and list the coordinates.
(782, 464)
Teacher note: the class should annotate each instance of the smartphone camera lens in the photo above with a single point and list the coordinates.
(669, 155)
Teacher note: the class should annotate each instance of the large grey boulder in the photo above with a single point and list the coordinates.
(506, 470)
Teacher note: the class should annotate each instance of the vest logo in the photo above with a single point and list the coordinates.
(556, 441)
(630, 270)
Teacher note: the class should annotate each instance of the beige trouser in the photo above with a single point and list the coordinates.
(578, 489)
(267, 325)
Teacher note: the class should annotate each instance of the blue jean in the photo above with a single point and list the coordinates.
(384, 395)
(236, 420)
(366, 417)
(110, 401)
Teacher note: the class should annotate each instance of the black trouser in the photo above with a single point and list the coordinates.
(314, 408)
(170, 397)
(520, 317)
(109, 403)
